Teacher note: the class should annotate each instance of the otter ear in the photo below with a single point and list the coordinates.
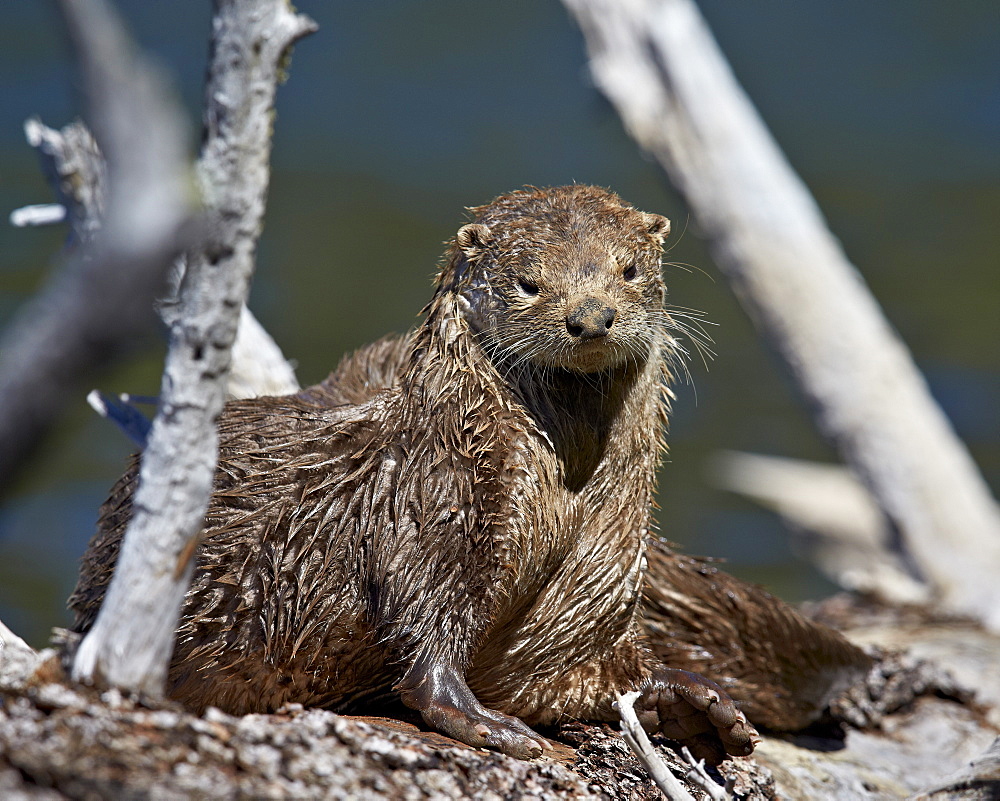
(658, 227)
(472, 238)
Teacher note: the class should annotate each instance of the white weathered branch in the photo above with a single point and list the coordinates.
(17, 658)
(99, 303)
(834, 520)
(132, 638)
(259, 366)
(9, 641)
(697, 774)
(75, 168)
(659, 65)
(635, 736)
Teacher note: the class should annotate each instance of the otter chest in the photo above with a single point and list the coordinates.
(581, 553)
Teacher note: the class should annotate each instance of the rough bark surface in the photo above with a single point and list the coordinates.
(113, 749)
(59, 741)
(659, 66)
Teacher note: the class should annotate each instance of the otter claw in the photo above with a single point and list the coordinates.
(696, 712)
(723, 716)
(505, 734)
(484, 728)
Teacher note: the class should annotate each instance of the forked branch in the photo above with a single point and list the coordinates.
(132, 638)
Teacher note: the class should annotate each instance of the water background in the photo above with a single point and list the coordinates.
(399, 113)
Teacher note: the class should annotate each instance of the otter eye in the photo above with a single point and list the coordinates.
(527, 287)
(630, 273)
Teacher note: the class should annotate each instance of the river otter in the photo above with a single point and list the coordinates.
(783, 669)
(463, 522)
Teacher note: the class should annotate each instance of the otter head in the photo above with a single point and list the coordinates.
(566, 278)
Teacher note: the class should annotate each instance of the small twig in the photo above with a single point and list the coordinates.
(121, 411)
(38, 215)
(698, 775)
(635, 736)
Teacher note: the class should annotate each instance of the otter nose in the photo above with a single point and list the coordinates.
(590, 318)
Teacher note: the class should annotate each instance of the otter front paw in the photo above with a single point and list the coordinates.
(439, 692)
(697, 713)
(486, 728)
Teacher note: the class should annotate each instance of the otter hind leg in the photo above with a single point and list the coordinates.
(697, 713)
(438, 691)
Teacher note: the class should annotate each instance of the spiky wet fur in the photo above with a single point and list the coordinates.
(782, 668)
(483, 504)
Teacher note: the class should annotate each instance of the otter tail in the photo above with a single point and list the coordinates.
(782, 668)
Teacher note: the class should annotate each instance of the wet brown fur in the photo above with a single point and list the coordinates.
(782, 668)
(470, 501)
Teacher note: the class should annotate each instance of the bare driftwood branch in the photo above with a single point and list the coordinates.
(659, 65)
(97, 306)
(75, 166)
(100, 302)
(834, 520)
(132, 638)
(635, 736)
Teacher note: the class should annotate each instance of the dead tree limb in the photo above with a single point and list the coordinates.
(76, 170)
(75, 167)
(832, 519)
(635, 736)
(101, 301)
(659, 66)
(132, 638)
